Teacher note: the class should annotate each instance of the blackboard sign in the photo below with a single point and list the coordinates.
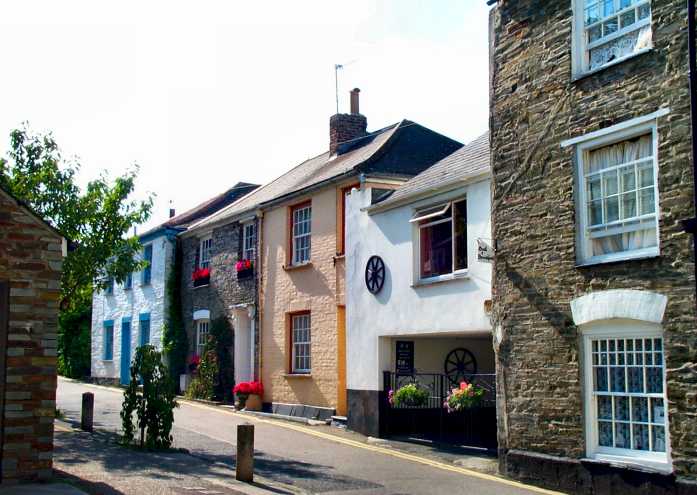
(405, 357)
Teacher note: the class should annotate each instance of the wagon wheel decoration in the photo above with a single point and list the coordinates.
(460, 365)
(375, 274)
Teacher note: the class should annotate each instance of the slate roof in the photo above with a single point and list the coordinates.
(415, 147)
(469, 161)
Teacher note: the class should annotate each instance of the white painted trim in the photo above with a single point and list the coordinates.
(202, 314)
(616, 128)
(619, 303)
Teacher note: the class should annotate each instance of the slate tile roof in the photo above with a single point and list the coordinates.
(469, 161)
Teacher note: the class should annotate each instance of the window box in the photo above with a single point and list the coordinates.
(201, 276)
(606, 32)
(245, 269)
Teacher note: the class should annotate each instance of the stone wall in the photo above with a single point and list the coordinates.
(534, 107)
(225, 288)
(30, 260)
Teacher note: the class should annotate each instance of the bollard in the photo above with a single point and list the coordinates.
(244, 463)
(87, 411)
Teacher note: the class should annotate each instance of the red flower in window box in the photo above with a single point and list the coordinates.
(243, 265)
(200, 273)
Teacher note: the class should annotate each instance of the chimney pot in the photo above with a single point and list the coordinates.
(355, 93)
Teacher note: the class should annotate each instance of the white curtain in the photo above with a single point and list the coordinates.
(644, 235)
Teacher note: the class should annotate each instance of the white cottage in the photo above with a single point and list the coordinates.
(418, 294)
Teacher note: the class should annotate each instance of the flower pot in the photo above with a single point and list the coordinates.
(253, 403)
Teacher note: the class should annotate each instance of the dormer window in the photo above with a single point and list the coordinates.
(609, 31)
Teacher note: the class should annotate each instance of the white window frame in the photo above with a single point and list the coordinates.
(201, 324)
(623, 134)
(295, 343)
(620, 329)
(581, 48)
(249, 240)
(432, 211)
(305, 257)
(205, 251)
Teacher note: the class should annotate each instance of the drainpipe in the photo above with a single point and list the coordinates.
(251, 311)
(690, 225)
(260, 306)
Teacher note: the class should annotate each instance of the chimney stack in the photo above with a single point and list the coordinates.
(345, 127)
(171, 212)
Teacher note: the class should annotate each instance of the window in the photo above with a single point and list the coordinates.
(144, 329)
(201, 335)
(442, 238)
(249, 241)
(147, 271)
(108, 351)
(109, 290)
(618, 199)
(626, 397)
(300, 335)
(301, 218)
(128, 284)
(607, 31)
(204, 260)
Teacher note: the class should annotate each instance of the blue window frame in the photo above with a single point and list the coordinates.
(128, 284)
(147, 271)
(109, 290)
(144, 329)
(108, 350)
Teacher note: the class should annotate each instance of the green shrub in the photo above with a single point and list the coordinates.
(153, 404)
(203, 384)
(410, 395)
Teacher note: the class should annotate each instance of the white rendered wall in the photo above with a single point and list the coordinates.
(402, 308)
(140, 299)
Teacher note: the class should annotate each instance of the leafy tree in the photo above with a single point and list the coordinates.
(153, 406)
(97, 221)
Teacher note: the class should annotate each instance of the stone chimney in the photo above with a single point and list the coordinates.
(347, 126)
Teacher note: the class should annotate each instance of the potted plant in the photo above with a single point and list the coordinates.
(244, 268)
(248, 395)
(201, 276)
(465, 397)
(410, 395)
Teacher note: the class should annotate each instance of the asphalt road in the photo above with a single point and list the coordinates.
(288, 454)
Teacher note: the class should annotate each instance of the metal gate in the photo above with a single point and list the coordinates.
(475, 427)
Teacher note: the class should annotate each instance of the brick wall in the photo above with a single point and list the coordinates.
(535, 106)
(30, 259)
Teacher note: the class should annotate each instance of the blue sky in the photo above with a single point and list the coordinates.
(204, 94)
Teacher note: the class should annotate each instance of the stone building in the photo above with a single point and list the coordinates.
(131, 314)
(594, 289)
(300, 352)
(31, 256)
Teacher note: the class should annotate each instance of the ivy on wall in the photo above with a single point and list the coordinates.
(174, 341)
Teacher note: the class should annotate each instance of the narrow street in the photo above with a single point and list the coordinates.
(310, 461)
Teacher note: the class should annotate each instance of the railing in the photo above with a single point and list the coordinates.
(438, 386)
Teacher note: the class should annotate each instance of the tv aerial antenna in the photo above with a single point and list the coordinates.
(336, 80)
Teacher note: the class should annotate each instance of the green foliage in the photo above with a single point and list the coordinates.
(221, 330)
(153, 405)
(466, 396)
(174, 341)
(203, 384)
(97, 220)
(74, 341)
(411, 395)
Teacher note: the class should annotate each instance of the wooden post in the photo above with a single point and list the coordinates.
(244, 463)
(87, 411)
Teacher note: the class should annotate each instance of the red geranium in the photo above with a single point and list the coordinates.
(243, 265)
(248, 388)
(200, 273)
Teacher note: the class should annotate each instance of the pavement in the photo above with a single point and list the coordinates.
(289, 458)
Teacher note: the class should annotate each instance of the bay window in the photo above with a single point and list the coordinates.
(618, 194)
(442, 239)
(607, 31)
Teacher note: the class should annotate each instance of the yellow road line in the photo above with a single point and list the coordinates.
(394, 453)
(60, 427)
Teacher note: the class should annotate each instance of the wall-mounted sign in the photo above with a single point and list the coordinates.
(375, 274)
(405, 357)
(485, 251)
